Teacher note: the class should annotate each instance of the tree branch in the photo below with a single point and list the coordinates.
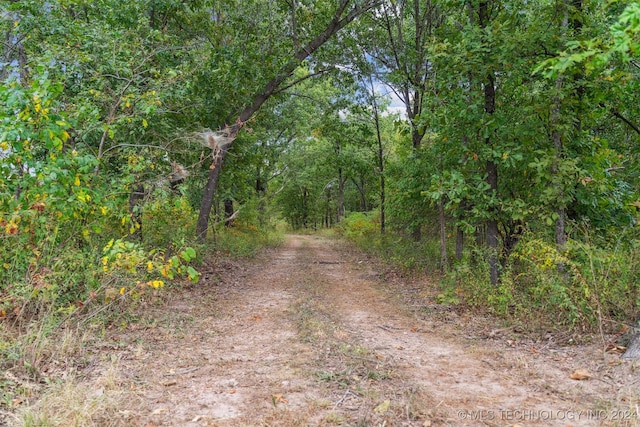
(301, 79)
(624, 119)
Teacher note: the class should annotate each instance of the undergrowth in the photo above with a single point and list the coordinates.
(243, 240)
(399, 250)
(591, 286)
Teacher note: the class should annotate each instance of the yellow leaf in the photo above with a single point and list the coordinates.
(108, 245)
(144, 123)
(77, 181)
(149, 266)
(122, 291)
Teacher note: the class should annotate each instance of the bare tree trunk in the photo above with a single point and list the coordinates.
(633, 347)
(376, 119)
(305, 213)
(209, 191)
(341, 180)
(444, 263)
(492, 226)
(556, 136)
(459, 243)
(228, 212)
(362, 191)
(491, 168)
(14, 52)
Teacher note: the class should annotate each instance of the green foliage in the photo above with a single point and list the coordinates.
(579, 288)
(244, 240)
(360, 225)
(364, 230)
(167, 220)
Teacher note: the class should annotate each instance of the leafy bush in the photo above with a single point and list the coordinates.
(65, 243)
(581, 287)
(360, 224)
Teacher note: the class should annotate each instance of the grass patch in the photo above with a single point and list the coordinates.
(243, 240)
(74, 403)
(401, 251)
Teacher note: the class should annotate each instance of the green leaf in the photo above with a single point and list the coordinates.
(193, 274)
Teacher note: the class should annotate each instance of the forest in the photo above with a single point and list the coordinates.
(489, 144)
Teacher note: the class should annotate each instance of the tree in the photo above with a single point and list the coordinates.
(345, 12)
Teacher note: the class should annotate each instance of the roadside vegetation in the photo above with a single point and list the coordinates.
(593, 292)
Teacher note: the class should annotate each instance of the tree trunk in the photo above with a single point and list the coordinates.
(491, 168)
(376, 119)
(362, 191)
(6, 54)
(444, 263)
(383, 221)
(209, 191)
(14, 51)
(228, 212)
(340, 195)
(459, 243)
(633, 347)
(135, 210)
(305, 212)
(492, 225)
(556, 136)
(337, 23)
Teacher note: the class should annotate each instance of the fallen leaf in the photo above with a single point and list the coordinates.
(277, 398)
(169, 383)
(580, 374)
(232, 392)
(383, 407)
(614, 348)
(257, 318)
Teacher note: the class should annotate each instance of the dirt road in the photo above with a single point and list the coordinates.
(311, 334)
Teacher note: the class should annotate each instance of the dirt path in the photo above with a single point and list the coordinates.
(309, 334)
